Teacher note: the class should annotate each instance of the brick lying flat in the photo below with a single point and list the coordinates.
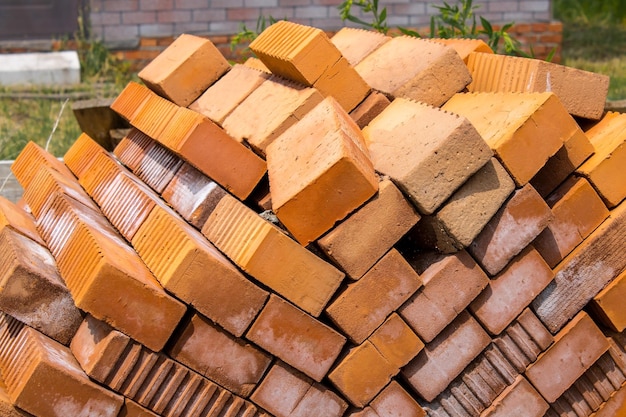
(193, 270)
(584, 272)
(464, 215)
(285, 392)
(394, 400)
(512, 123)
(269, 110)
(369, 108)
(514, 226)
(267, 254)
(30, 159)
(43, 378)
(31, 289)
(582, 93)
(465, 46)
(296, 338)
(234, 364)
(151, 379)
(193, 195)
(427, 152)
(579, 344)
(355, 44)
(306, 55)
(433, 79)
(13, 217)
(518, 400)
(365, 236)
(451, 282)
(133, 409)
(396, 342)
(365, 304)
(608, 304)
(615, 406)
(509, 292)
(319, 171)
(604, 168)
(446, 356)
(578, 211)
(221, 98)
(185, 69)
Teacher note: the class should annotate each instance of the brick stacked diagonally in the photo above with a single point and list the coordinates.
(360, 226)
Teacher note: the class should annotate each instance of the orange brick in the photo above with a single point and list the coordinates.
(355, 44)
(154, 115)
(43, 378)
(269, 110)
(185, 69)
(133, 147)
(212, 151)
(578, 211)
(285, 392)
(517, 397)
(433, 79)
(7, 408)
(511, 291)
(584, 272)
(158, 167)
(319, 171)
(266, 253)
(443, 359)
(13, 217)
(431, 155)
(220, 99)
(130, 100)
(579, 344)
(344, 84)
(257, 64)
(515, 225)
(604, 168)
(608, 305)
(296, 338)
(583, 93)
(81, 154)
(451, 282)
(369, 108)
(132, 409)
(466, 47)
(394, 400)
(365, 236)
(31, 159)
(513, 123)
(234, 364)
(395, 340)
(615, 406)
(365, 304)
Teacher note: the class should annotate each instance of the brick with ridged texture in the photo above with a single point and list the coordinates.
(185, 69)
(133, 147)
(29, 161)
(267, 254)
(158, 167)
(518, 400)
(15, 218)
(81, 154)
(466, 46)
(427, 152)
(154, 115)
(130, 100)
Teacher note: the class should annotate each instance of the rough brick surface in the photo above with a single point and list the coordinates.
(608, 305)
(355, 44)
(369, 108)
(29, 161)
(13, 217)
(518, 400)
(466, 47)
(396, 342)
(427, 152)
(394, 400)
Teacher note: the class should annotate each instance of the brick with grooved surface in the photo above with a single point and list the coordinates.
(14, 217)
(518, 400)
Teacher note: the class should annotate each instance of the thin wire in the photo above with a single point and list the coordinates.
(56, 123)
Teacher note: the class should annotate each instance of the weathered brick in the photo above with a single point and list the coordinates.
(341, 82)
(15, 218)
(466, 47)
(7, 409)
(514, 226)
(427, 152)
(355, 44)
(392, 69)
(615, 406)
(395, 340)
(451, 282)
(394, 400)
(133, 409)
(369, 108)
(608, 304)
(579, 344)
(158, 167)
(133, 147)
(518, 400)
(266, 253)
(175, 72)
(319, 171)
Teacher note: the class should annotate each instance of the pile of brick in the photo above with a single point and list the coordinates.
(356, 226)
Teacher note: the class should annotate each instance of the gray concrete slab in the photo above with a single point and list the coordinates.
(40, 68)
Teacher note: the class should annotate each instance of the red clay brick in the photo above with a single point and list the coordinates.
(132, 409)
(221, 98)
(193, 270)
(369, 108)
(608, 304)
(512, 123)
(520, 220)
(578, 211)
(15, 218)
(509, 292)
(615, 406)
(579, 344)
(584, 272)
(43, 378)
(296, 338)
(395, 340)
(158, 167)
(365, 304)
(583, 93)
(365, 236)
(319, 171)
(443, 359)
(518, 400)
(451, 282)
(286, 392)
(193, 195)
(604, 168)
(427, 152)
(130, 100)
(269, 110)
(392, 70)
(466, 47)
(256, 64)
(355, 44)
(133, 147)
(7, 409)
(185, 69)
(31, 289)
(234, 364)
(344, 84)
(267, 254)
(81, 154)
(154, 115)
(395, 401)
(30, 160)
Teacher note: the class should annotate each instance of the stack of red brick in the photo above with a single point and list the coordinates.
(356, 226)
